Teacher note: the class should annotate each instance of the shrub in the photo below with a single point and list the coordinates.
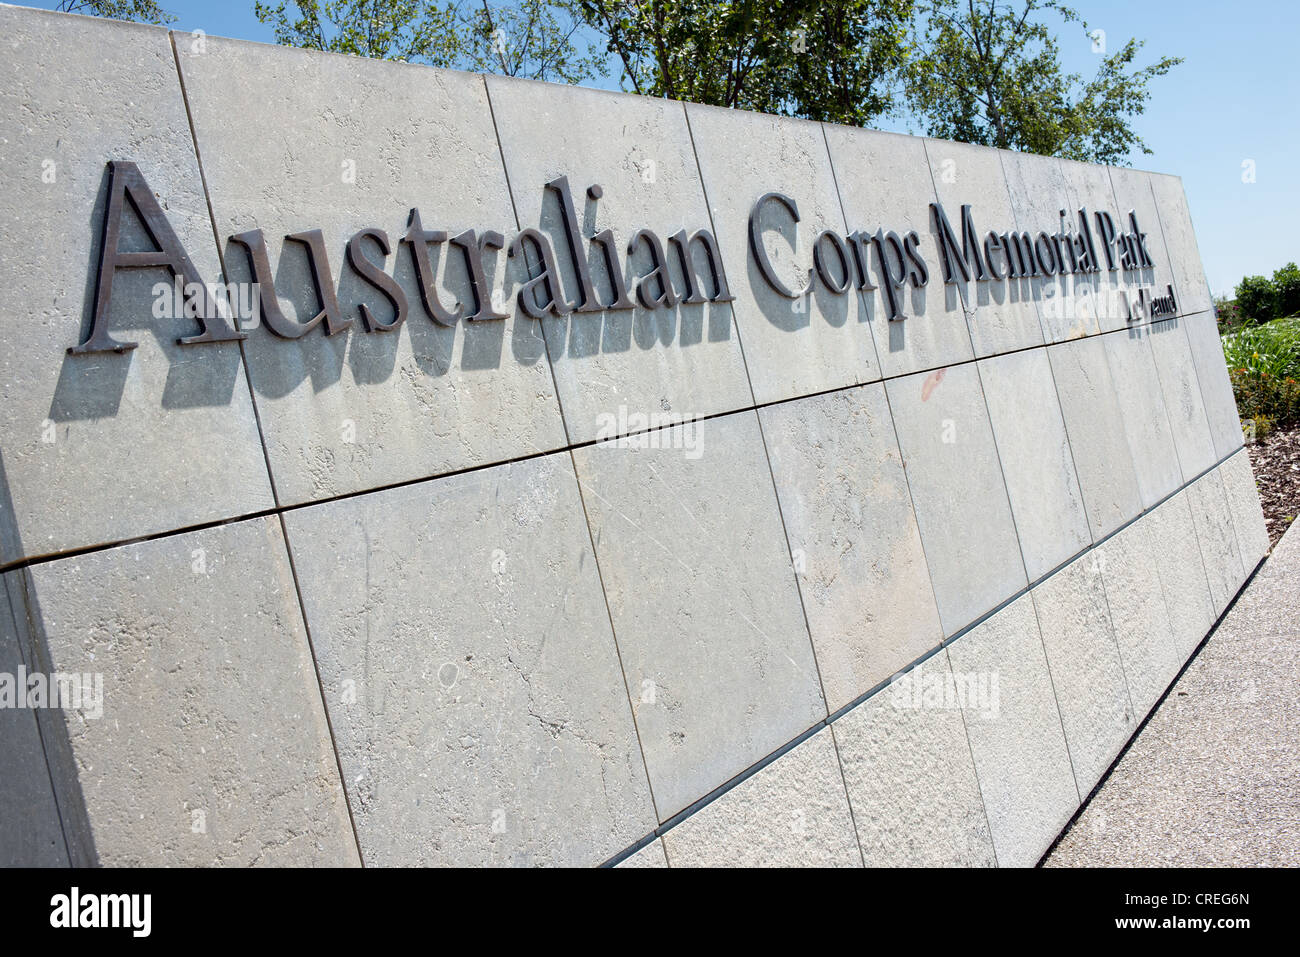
(1286, 287)
(1266, 398)
(1264, 366)
(1227, 312)
(1257, 298)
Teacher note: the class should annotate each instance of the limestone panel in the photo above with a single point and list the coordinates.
(910, 777)
(848, 513)
(816, 340)
(1087, 673)
(1148, 647)
(1001, 313)
(1094, 423)
(792, 813)
(885, 185)
(1142, 414)
(701, 589)
(1192, 291)
(1247, 515)
(683, 360)
(1214, 530)
(30, 832)
(1020, 752)
(1216, 388)
(107, 446)
(1036, 459)
(200, 739)
(957, 487)
(471, 674)
(1177, 559)
(1183, 399)
(348, 144)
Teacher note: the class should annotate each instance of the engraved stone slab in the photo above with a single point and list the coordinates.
(350, 143)
(1095, 294)
(685, 360)
(1134, 197)
(885, 184)
(106, 447)
(1001, 314)
(793, 346)
(1038, 186)
(1193, 292)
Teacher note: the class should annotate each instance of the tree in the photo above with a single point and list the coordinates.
(1257, 298)
(142, 11)
(528, 38)
(411, 30)
(536, 39)
(829, 60)
(989, 72)
(855, 53)
(1286, 283)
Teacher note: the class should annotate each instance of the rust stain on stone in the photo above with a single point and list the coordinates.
(931, 383)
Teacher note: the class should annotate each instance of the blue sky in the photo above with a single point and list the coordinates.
(1235, 100)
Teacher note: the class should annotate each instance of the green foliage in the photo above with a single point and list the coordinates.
(1264, 366)
(981, 71)
(832, 60)
(1286, 285)
(528, 38)
(411, 30)
(989, 72)
(1267, 400)
(1257, 298)
(1228, 313)
(141, 11)
(1260, 298)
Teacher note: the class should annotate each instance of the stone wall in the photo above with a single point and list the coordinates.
(747, 580)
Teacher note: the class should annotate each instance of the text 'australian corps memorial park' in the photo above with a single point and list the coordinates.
(426, 467)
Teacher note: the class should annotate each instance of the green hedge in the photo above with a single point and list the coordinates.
(1260, 298)
(1264, 365)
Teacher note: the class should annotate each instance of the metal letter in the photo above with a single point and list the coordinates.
(667, 296)
(276, 320)
(419, 238)
(126, 182)
(586, 301)
(760, 253)
(376, 276)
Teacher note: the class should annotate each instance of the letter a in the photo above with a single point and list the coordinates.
(127, 183)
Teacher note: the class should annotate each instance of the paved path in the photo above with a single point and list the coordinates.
(1214, 777)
